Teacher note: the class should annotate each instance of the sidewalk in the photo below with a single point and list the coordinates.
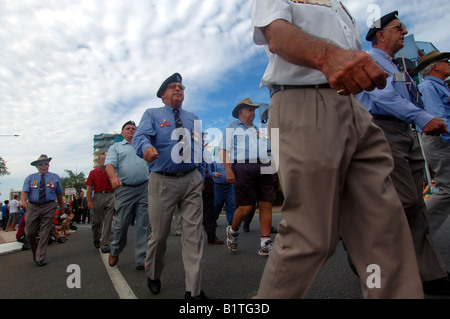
(8, 243)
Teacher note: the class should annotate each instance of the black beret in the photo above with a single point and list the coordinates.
(128, 123)
(380, 24)
(175, 78)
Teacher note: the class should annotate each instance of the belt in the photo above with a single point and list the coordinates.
(276, 88)
(392, 119)
(222, 184)
(135, 185)
(180, 174)
(41, 204)
(250, 161)
(104, 192)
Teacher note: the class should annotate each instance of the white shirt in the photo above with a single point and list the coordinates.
(328, 20)
(13, 206)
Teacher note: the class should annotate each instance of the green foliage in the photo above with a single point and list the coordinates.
(76, 181)
(3, 169)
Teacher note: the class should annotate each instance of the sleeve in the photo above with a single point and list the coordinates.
(90, 179)
(26, 185)
(393, 103)
(142, 138)
(112, 156)
(264, 12)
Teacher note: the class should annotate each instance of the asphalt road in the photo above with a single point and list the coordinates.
(225, 276)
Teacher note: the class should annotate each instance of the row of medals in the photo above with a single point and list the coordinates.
(318, 2)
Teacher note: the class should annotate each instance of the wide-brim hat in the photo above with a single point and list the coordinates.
(430, 58)
(380, 24)
(241, 104)
(42, 159)
(174, 78)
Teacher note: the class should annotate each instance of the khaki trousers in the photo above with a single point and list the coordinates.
(164, 195)
(334, 167)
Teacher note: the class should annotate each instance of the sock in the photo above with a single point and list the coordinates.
(264, 239)
(234, 231)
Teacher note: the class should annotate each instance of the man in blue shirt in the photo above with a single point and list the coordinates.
(39, 194)
(435, 68)
(396, 110)
(129, 178)
(170, 140)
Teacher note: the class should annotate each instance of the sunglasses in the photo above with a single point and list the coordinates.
(399, 27)
(175, 85)
(43, 164)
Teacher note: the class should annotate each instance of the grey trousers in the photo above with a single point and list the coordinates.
(408, 176)
(438, 156)
(131, 204)
(102, 214)
(334, 167)
(164, 194)
(38, 223)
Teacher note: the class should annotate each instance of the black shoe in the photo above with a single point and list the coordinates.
(41, 263)
(106, 250)
(246, 228)
(97, 244)
(273, 230)
(187, 295)
(154, 285)
(439, 286)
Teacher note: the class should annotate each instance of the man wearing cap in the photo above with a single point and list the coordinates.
(170, 140)
(128, 174)
(100, 196)
(334, 163)
(39, 194)
(435, 68)
(244, 154)
(397, 110)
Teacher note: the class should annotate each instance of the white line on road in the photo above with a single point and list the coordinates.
(120, 284)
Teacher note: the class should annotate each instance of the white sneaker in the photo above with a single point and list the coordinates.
(265, 250)
(231, 240)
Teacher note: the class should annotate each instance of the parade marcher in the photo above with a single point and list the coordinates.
(168, 140)
(100, 196)
(223, 194)
(334, 163)
(39, 195)
(243, 162)
(435, 68)
(129, 178)
(398, 110)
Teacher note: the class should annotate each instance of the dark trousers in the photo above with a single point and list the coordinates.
(209, 216)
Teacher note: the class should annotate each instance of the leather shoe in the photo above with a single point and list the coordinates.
(188, 295)
(41, 263)
(140, 267)
(439, 286)
(216, 241)
(154, 285)
(97, 244)
(113, 260)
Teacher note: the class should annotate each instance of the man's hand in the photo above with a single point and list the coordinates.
(151, 154)
(229, 176)
(352, 72)
(116, 182)
(435, 127)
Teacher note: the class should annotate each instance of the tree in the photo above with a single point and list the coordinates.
(76, 181)
(3, 169)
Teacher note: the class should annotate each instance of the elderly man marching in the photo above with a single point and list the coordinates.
(167, 139)
(435, 68)
(243, 167)
(39, 194)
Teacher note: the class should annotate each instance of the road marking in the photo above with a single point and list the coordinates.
(120, 284)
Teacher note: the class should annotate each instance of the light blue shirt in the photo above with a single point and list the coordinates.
(395, 99)
(157, 129)
(220, 168)
(52, 187)
(243, 143)
(436, 96)
(130, 168)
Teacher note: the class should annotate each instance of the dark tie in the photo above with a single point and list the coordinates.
(410, 85)
(179, 126)
(42, 189)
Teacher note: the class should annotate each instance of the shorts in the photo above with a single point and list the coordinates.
(13, 218)
(251, 186)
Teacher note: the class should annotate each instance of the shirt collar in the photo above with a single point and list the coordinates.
(170, 109)
(433, 78)
(383, 54)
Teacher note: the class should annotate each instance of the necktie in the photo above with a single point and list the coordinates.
(410, 85)
(179, 126)
(42, 189)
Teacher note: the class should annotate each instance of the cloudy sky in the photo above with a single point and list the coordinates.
(70, 69)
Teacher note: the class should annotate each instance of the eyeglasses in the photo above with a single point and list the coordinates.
(399, 27)
(42, 164)
(445, 60)
(176, 85)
